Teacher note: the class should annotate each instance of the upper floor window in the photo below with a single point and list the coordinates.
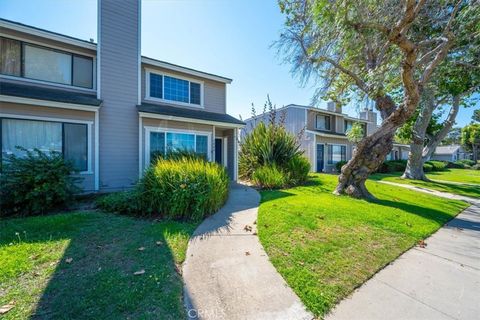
(322, 122)
(35, 62)
(174, 89)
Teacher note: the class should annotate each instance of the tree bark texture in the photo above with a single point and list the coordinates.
(421, 152)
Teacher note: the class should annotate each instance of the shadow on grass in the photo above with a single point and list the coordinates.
(428, 213)
(99, 281)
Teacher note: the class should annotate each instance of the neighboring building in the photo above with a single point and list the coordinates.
(451, 153)
(324, 140)
(104, 106)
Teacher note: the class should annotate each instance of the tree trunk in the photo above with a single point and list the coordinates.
(442, 133)
(371, 151)
(414, 169)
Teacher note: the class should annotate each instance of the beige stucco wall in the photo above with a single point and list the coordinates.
(23, 111)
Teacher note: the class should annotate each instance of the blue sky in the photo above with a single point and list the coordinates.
(231, 38)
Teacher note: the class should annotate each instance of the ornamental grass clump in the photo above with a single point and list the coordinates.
(272, 151)
(183, 188)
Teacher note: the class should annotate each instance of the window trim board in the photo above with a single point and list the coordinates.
(72, 54)
(148, 129)
(61, 120)
(147, 97)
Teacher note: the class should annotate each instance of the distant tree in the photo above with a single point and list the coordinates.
(453, 137)
(374, 49)
(471, 138)
(476, 115)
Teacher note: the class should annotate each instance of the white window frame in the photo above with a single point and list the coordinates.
(148, 130)
(63, 120)
(163, 74)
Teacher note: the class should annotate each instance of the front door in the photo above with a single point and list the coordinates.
(218, 150)
(320, 149)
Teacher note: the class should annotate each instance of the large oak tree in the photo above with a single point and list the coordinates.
(369, 48)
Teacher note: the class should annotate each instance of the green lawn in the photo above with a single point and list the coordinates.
(461, 189)
(99, 281)
(325, 246)
(456, 175)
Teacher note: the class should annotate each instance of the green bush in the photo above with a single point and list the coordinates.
(126, 202)
(183, 188)
(36, 183)
(455, 165)
(297, 170)
(476, 167)
(392, 166)
(339, 165)
(269, 177)
(467, 162)
(437, 165)
(272, 145)
(427, 167)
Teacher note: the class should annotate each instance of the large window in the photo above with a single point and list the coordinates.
(169, 88)
(322, 122)
(40, 63)
(164, 142)
(47, 136)
(336, 153)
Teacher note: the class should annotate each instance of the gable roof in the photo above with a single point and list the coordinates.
(177, 112)
(14, 25)
(42, 93)
(447, 149)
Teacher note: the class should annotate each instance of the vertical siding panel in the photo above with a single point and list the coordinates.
(119, 53)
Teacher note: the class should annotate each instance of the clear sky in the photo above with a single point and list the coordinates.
(231, 38)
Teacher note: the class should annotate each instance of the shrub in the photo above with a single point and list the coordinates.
(36, 183)
(455, 165)
(437, 165)
(427, 167)
(467, 162)
(183, 188)
(476, 167)
(297, 170)
(339, 165)
(462, 165)
(127, 202)
(269, 177)
(267, 145)
(392, 166)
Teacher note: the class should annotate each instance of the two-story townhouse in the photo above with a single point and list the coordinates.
(103, 105)
(324, 140)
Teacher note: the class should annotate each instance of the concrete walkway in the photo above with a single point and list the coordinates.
(439, 281)
(435, 192)
(227, 273)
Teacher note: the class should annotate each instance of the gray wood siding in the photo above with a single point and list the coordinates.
(215, 99)
(119, 56)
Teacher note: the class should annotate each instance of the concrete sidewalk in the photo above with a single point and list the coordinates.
(447, 195)
(440, 281)
(227, 273)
